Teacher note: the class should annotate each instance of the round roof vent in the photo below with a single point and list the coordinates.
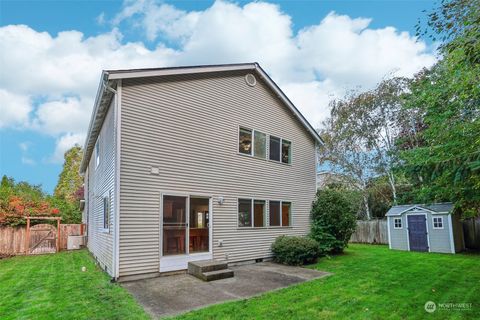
(250, 80)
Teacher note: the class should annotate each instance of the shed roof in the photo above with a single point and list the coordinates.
(434, 208)
(109, 77)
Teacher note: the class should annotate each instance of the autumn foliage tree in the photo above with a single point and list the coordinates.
(19, 200)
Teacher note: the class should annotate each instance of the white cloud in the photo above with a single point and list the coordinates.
(62, 116)
(53, 90)
(64, 143)
(14, 109)
(318, 63)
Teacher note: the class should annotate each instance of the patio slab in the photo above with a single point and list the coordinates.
(171, 295)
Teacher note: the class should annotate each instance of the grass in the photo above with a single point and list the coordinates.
(369, 282)
(54, 287)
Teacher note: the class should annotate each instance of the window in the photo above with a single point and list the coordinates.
(286, 208)
(437, 222)
(397, 223)
(106, 213)
(286, 151)
(245, 141)
(274, 148)
(274, 213)
(280, 150)
(97, 154)
(260, 141)
(259, 213)
(254, 143)
(244, 212)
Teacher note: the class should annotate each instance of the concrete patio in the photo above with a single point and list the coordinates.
(170, 295)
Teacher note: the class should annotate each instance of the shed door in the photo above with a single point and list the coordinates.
(417, 232)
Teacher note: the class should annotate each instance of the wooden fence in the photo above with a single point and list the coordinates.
(471, 232)
(375, 231)
(12, 239)
(372, 231)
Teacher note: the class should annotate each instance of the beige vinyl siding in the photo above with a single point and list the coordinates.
(187, 126)
(100, 182)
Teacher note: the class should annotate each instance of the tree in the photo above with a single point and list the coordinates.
(445, 165)
(70, 181)
(456, 23)
(360, 135)
(334, 220)
(18, 200)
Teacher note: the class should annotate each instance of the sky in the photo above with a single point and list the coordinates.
(52, 54)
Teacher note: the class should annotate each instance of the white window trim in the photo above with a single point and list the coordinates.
(252, 149)
(401, 223)
(441, 221)
(102, 228)
(266, 214)
(251, 212)
(280, 151)
(290, 222)
(267, 147)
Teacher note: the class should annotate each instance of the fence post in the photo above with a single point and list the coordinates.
(27, 237)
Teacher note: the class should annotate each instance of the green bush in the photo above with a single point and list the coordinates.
(334, 215)
(295, 250)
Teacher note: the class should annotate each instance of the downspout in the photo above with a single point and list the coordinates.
(118, 134)
(116, 177)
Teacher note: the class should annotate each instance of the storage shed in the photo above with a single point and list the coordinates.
(420, 227)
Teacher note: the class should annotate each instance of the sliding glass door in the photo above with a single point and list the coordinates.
(186, 225)
(199, 225)
(174, 225)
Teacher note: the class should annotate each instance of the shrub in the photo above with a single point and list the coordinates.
(334, 218)
(295, 250)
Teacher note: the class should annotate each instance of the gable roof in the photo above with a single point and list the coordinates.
(108, 83)
(434, 208)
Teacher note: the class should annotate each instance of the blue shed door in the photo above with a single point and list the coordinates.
(417, 233)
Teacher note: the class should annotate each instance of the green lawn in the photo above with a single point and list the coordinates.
(367, 282)
(54, 287)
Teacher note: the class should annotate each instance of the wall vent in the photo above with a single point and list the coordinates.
(250, 80)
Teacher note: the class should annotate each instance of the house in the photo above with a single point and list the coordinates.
(194, 163)
(419, 227)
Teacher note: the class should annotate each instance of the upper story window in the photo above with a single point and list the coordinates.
(437, 222)
(280, 150)
(97, 154)
(274, 148)
(260, 144)
(245, 141)
(252, 142)
(286, 151)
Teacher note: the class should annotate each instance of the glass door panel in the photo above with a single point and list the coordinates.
(199, 225)
(174, 225)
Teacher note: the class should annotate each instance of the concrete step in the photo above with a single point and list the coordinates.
(217, 275)
(198, 267)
